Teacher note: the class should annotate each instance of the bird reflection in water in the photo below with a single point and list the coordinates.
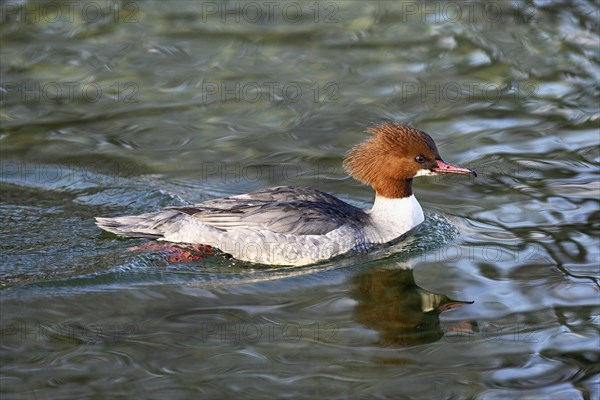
(390, 302)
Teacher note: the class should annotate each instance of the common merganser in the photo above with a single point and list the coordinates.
(288, 225)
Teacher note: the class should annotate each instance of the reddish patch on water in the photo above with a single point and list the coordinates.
(462, 327)
(176, 252)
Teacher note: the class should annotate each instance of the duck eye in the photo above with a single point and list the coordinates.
(420, 159)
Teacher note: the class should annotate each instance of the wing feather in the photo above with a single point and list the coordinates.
(283, 209)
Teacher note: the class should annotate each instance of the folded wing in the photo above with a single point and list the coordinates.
(284, 209)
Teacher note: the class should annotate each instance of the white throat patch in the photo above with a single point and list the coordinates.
(424, 172)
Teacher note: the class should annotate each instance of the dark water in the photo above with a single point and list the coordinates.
(110, 108)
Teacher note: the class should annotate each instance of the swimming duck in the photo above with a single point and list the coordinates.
(288, 225)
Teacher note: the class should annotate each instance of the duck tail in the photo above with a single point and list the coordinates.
(150, 225)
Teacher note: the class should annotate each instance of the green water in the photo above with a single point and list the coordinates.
(112, 108)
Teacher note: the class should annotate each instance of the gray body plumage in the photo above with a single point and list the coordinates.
(280, 225)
